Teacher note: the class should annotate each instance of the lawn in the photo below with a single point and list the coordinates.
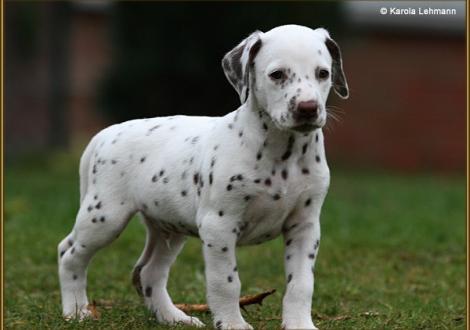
(392, 256)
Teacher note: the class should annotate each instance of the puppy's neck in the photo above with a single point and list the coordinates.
(269, 141)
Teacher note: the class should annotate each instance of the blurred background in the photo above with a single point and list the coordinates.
(72, 68)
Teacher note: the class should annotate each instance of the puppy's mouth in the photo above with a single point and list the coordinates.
(305, 127)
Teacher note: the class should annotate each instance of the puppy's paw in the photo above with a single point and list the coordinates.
(298, 324)
(80, 314)
(233, 325)
(176, 316)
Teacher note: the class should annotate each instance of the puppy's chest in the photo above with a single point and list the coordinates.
(277, 194)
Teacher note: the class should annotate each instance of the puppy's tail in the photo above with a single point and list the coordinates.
(85, 163)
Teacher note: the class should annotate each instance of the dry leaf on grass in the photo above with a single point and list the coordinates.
(94, 312)
(369, 314)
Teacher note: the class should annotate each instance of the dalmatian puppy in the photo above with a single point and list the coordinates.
(240, 179)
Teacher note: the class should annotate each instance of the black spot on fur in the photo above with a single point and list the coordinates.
(98, 206)
(161, 172)
(257, 180)
(230, 279)
(218, 324)
(284, 174)
(286, 155)
(75, 277)
(288, 256)
(276, 197)
(210, 178)
(259, 155)
(165, 180)
(311, 256)
(289, 278)
(230, 126)
(142, 159)
(224, 249)
(317, 158)
(93, 220)
(196, 178)
(62, 253)
(229, 187)
(307, 202)
(316, 137)
(90, 207)
(240, 134)
(305, 171)
(288, 242)
(154, 178)
(221, 213)
(267, 182)
(304, 148)
(95, 197)
(184, 193)
(102, 219)
(72, 251)
(247, 198)
(113, 161)
(265, 127)
(148, 291)
(235, 269)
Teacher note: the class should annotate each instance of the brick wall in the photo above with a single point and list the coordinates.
(407, 106)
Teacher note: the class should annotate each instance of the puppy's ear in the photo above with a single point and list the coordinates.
(237, 64)
(338, 78)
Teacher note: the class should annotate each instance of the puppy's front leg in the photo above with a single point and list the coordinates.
(222, 282)
(302, 241)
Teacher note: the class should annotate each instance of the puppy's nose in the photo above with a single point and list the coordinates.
(307, 110)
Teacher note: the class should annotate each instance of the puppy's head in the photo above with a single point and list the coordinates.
(288, 71)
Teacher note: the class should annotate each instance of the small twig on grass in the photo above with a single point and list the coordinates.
(331, 318)
(187, 308)
(244, 301)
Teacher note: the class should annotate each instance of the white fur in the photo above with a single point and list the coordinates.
(240, 179)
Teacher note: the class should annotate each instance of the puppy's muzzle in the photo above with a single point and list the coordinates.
(307, 111)
(306, 116)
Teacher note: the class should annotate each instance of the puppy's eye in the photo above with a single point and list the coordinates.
(323, 74)
(277, 75)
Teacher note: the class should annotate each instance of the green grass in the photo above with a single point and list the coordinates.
(392, 256)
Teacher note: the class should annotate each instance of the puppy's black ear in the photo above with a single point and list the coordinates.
(237, 63)
(337, 76)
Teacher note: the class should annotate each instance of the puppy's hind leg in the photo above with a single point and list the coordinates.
(98, 223)
(154, 277)
(145, 256)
